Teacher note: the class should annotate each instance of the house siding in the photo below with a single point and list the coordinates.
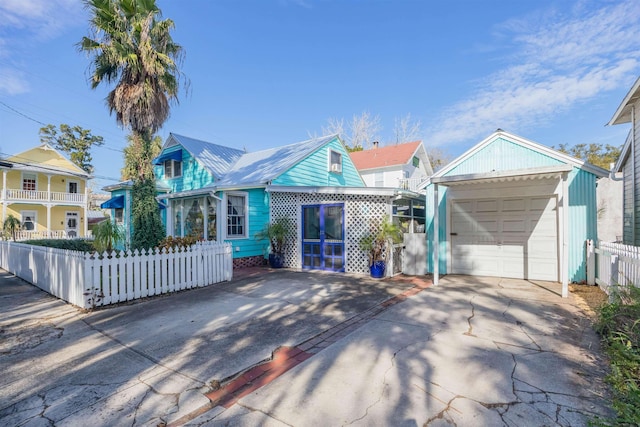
(258, 216)
(194, 175)
(583, 220)
(502, 155)
(313, 170)
(628, 216)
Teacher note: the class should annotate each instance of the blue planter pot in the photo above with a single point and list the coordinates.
(377, 269)
(276, 260)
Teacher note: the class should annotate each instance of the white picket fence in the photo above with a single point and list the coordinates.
(92, 280)
(612, 264)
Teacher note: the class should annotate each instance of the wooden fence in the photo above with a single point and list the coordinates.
(91, 280)
(612, 264)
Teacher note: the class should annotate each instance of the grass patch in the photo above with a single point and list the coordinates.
(619, 326)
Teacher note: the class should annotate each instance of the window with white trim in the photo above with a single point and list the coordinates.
(172, 168)
(73, 187)
(335, 161)
(29, 220)
(29, 181)
(237, 215)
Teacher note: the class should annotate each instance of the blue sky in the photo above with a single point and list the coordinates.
(272, 72)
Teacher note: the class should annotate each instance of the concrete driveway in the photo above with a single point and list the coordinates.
(470, 352)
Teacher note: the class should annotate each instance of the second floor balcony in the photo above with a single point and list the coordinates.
(35, 196)
(411, 184)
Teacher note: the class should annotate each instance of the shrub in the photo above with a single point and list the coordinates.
(619, 326)
(81, 245)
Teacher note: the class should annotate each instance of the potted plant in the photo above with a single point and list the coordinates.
(379, 245)
(276, 232)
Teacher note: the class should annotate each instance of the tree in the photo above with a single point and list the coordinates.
(137, 153)
(133, 48)
(106, 235)
(595, 154)
(438, 158)
(406, 129)
(75, 141)
(360, 133)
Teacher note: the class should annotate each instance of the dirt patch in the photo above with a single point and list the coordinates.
(589, 298)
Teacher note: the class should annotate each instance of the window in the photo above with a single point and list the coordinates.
(211, 221)
(73, 187)
(172, 168)
(29, 182)
(416, 161)
(236, 215)
(379, 179)
(335, 161)
(28, 220)
(119, 215)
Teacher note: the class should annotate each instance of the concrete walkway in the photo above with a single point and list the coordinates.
(469, 352)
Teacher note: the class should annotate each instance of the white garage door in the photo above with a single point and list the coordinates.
(511, 237)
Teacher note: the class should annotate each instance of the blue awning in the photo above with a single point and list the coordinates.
(173, 155)
(116, 202)
(161, 206)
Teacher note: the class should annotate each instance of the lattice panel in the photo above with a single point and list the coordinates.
(360, 212)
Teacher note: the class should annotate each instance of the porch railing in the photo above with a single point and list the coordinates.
(43, 196)
(34, 235)
(411, 184)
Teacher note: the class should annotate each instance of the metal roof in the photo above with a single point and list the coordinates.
(261, 167)
(217, 159)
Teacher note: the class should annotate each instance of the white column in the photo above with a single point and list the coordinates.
(169, 216)
(436, 236)
(86, 209)
(49, 219)
(565, 235)
(49, 187)
(4, 195)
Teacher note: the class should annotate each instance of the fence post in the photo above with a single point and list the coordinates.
(614, 282)
(591, 263)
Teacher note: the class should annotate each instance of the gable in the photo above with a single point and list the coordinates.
(313, 170)
(502, 155)
(46, 156)
(194, 174)
(503, 151)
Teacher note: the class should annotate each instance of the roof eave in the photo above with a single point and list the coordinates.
(622, 114)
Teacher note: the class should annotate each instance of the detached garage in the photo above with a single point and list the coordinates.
(510, 207)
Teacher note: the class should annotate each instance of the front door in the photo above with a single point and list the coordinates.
(72, 225)
(323, 237)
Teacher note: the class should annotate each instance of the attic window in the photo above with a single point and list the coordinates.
(416, 161)
(335, 161)
(172, 168)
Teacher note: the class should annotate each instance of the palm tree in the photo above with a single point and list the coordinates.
(11, 225)
(132, 47)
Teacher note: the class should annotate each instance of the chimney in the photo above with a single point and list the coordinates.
(375, 145)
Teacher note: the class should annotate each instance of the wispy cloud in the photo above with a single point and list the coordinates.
(555, 62)
(25, 22)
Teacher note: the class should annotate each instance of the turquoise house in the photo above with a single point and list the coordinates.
(510, 207)
(220, 193)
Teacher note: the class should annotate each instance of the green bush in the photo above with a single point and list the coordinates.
(619, 326)
(81, 245)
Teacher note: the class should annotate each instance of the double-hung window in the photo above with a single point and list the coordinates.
(29, 182)
(172, 168)
(236, 215)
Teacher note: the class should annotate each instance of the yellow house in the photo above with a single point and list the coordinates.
(46, 192)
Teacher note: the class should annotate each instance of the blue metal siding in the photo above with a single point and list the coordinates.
(583, 220)
(442, 225)
(194, 175)
(313, 170)
(258, 217)
(502, 155)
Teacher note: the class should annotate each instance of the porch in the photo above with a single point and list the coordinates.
(15, 195)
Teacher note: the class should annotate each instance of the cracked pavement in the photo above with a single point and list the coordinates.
(472, 351)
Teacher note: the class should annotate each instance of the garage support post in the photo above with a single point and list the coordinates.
(436, 236)
(564, 269)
